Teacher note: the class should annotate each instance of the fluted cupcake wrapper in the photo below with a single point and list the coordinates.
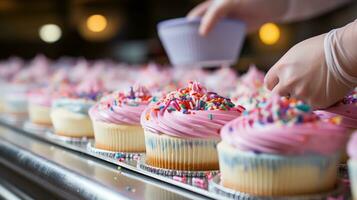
(67, 123)
(352, 171)
(274, 175)
(40, 114)
(15, 107)
(185, 47)
(120, 138)
(168, 152)
(216, 187)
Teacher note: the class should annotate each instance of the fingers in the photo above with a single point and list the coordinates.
(271, 79)
(215, 12)
(199, 10)
(281, 90)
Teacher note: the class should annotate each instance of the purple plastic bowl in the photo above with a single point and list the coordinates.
(186, 48)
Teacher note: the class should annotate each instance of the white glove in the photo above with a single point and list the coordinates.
(320, 70)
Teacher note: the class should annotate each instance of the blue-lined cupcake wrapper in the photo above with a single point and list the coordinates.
(266, 174)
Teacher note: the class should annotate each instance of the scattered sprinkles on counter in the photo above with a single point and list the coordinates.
(182, 179)
(193, 98)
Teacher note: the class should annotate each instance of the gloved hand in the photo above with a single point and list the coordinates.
(253, 12)
(320, 70)
(257, 12)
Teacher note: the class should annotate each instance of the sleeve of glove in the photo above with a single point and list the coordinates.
(305, 9)
(341, 53)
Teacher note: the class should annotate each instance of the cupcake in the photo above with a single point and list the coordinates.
(352, 163)
(40, 99)
(116, 120)
(250, 90)
(222, 80)
(69, 112)
(15, 99)
(8, 69)
(280, 148)
(39, 106)
(182, 128)
(347, 110)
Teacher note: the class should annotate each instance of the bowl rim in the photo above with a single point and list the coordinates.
(184, 21)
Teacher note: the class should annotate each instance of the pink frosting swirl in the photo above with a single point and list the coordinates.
(122, 107)
(253, 78)
(352, 146)
(190, 112)
(346, 109)
(42, 97)
(284, 126)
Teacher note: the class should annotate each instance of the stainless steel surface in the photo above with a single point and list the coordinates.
(74, 174)
(185, 183)
(6, 193)
(96, 174)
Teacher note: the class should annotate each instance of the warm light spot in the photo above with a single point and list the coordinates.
(50, 33)
(97, 23)
(269, 33)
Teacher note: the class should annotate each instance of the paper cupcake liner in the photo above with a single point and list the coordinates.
(216, 187)
(113, 154)
(15, 120)
(352, 170)
(180, 153)
(266, 174)
(119, 138)
(71, 124)
(185, 47)
(76, 140)
(15, 107)
(35, 128)
(170, 172)
(39, 114)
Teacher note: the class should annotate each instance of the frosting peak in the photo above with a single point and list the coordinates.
(352, 146)
(122, 107)
(195, 97)
(191, 111)
(90, 89)
(253, 78)
(284, 126)
(280, 110)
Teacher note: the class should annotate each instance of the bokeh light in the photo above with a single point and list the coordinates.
(97, 23)
(269, 33)
(50, 33)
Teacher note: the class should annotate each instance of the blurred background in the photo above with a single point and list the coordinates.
(125, 30)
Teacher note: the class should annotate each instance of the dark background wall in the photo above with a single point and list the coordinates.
(132, 23)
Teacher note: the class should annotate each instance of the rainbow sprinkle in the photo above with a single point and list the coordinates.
(351, 98)
(280, 110)
(137, 95)
(195, 97)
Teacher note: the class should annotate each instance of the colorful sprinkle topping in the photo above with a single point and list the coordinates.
(280, 110)
(351, 98)
(90, 89)
(135, 96)
(195, 97)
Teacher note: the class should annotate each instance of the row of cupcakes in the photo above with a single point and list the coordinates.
(280, 147)
(280, 138)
